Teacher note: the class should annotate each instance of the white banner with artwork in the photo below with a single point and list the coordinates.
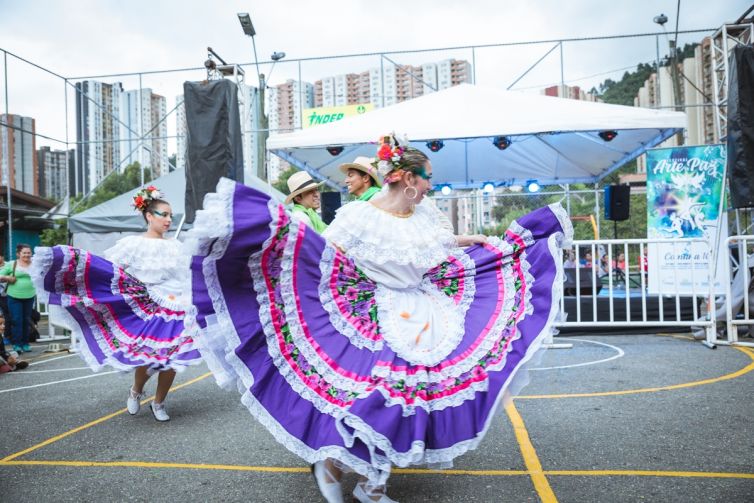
(684, 187)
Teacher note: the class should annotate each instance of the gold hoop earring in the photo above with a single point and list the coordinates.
(405, 192)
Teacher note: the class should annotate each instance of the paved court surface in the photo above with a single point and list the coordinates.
(618, 418)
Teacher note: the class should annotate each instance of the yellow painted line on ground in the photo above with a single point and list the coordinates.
(650, 473)
(147, 464)
(692, 384)
(485, 473)
(93, 423)
(531, 460)
(402, 471)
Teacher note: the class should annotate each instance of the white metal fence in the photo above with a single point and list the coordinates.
(739, 300)
(608, 284)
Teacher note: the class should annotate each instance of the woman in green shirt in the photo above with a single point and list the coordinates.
(21, 296)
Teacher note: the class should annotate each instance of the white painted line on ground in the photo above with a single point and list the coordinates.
(618, 350)
(22, 372)
(58, 382)
(51, 359)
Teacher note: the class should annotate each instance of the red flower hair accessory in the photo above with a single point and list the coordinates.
(145, 196)
(389, 153)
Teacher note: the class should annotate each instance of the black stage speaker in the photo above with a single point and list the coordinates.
(741, 127)
(330, 203)
(585, 282)
(213, 139)
(617, 200)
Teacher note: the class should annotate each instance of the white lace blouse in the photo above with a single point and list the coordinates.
(161, 264)
(419, 322)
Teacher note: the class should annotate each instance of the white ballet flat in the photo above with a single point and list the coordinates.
(330, 490)
(133, 404)
(360, 494)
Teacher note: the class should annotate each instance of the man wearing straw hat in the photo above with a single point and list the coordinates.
(304, 193)
(362, 179)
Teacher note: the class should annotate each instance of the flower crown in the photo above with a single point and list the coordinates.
(390, 153)
(145, 196)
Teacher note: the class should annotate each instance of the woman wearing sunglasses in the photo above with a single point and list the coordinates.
(127, 309)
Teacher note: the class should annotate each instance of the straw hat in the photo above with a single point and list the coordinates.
(363, 164)
(299, 183)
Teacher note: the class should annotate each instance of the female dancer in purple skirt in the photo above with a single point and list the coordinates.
(382, 342)
(127, 309)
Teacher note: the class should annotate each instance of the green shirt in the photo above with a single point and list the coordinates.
(316, 221)
(23, 288)
(368, 194)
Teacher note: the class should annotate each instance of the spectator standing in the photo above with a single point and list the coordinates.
(4, 305)
(21, 296)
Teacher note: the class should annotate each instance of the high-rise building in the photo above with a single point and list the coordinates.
(180, 133)
(570, 92)
(18, 153)
(144, 120)
(98, 131)
(397, 83)
(695, 84)
(248, 108)
(285, 104)
(54, 166)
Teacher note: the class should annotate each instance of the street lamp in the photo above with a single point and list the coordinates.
(264, 133)
(673, 60)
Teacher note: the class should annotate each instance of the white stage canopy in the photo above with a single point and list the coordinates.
(552, 140)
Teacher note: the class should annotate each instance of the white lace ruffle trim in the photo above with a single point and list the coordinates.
(417, 240)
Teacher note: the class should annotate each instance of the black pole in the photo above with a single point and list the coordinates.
(615, 229)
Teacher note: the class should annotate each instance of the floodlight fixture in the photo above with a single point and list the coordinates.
(501, 142)
(277, 56)
(335, 150)
(488, 187)
(435, 145)
(607, 135)
(446, 190)
(245, 20)
(532, 186)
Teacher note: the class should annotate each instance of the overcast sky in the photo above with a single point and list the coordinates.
(96, 37)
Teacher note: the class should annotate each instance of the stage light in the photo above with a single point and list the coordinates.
(608, 135)
(446, 190)
(335, 150)
(488, 187)
(501, 142)
(435, 145)
(532, 186)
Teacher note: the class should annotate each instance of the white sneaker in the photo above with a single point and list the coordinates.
(330, 490)
(360, 494)
(158, 410)
(133, 404)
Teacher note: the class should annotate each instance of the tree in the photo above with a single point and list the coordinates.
(282, 182)
(114, 185)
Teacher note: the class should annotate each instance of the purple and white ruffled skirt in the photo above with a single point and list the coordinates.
(115, 320)
(293, 323)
